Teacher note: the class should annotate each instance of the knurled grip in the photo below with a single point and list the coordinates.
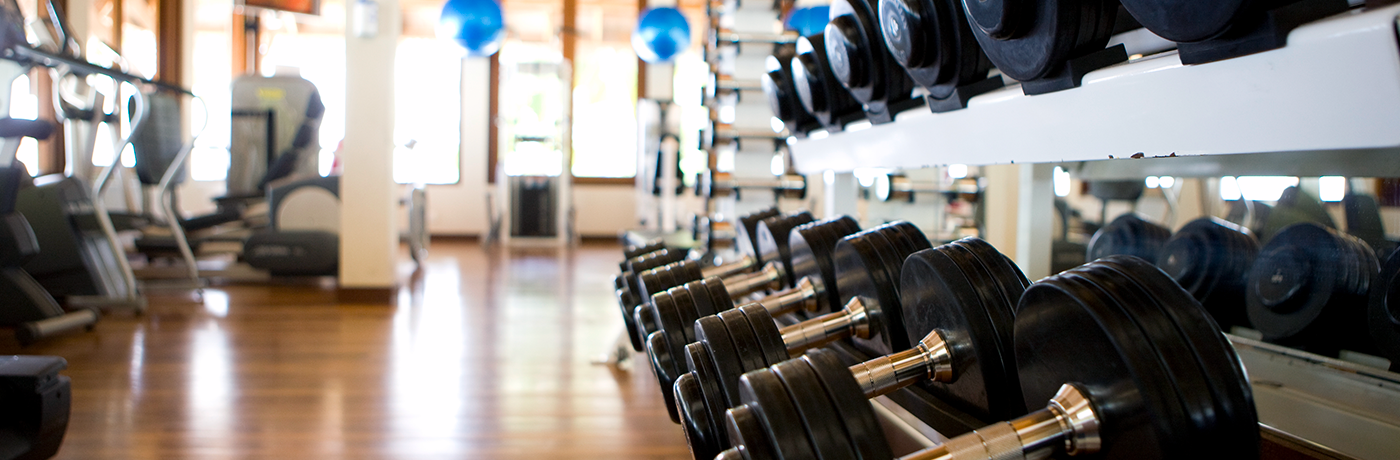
(993, 442)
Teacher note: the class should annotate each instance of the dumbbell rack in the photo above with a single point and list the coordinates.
(1326, 104)
(737, 67)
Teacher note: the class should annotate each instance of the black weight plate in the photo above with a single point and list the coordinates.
(711, 332)
(1193, 255)
(1128, 234)
(651, 280)
(719, 295)
(1193, 409)
(745, 344)
(772, 240)
(1383, 312)
(916, 237)
(1210, 258)
(1062, 338)
(627, 306)
(645, 248)
(777, 83)
(685, 310)
(1012, 281)
(1049, 33)
(812, 247)
(746, 233)
(766, 332)
(852, 407)
(941, 297)
(1292, 283)
(700, 298)
(1189, 21)
(702, 405)
(746, 433)
(871, 279)
(1235, 432)
(823, 426)
(666, 368)
(765, 394)
(646, 321)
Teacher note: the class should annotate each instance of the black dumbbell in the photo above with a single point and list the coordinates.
(1129, 235)
(659, 279)
(817, 88)
(1210, 258)
(1383, 311)
(936, 284)
(1047, 45)
(631, 251)
(717, 134)
(627, 286)
(856, 52)
(719, 184)
(674, 311)
(1308, 289)
(781, 92)
(1212, 31)
(933, 42)
(1130, 364)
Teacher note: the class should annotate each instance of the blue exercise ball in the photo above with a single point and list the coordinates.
(808, 21)
(477, 25)
(661, 34)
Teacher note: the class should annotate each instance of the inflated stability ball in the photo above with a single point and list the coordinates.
(661, 34)
(808, 21)
(477, 25)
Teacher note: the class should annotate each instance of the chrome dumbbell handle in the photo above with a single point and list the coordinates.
(852, 321)
(803, 296)
(930, 359)
(1067, 424)
(728, 269)
(769, 278)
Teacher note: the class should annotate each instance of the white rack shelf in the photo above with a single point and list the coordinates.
(1334, 88)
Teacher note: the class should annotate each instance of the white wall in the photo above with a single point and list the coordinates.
(460, 209)
(604, 210)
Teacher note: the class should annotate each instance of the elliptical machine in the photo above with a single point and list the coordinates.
(24, 304)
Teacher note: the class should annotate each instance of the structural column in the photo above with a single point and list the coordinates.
(369, 198)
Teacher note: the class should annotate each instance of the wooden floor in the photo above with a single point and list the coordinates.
(485, 354)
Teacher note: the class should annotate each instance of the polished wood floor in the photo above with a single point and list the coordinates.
(485, 354)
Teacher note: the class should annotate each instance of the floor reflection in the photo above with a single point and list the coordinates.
(485, 354)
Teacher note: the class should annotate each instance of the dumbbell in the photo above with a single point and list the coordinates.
(1383, 311)
(1047, 45)
(1130, 235)
(632, 251)
(891, 187)
(1130, 364)
(1234, 25)
(1210, 258)
(856, 52)
(1308, 289)
(627, 286)
(932, 41)
(719, 184)
(762, 251)
(781, 92)
(935, 284)
(673, 312)
(718, 134)
(817, 89)
(718, 37)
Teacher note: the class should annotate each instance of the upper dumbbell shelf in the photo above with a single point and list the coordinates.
(1334, 88)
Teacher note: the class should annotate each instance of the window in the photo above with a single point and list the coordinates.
(427, 111)
(605, 90)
